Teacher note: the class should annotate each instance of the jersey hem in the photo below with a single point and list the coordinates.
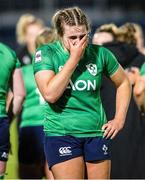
(39, 123)
(75, 135)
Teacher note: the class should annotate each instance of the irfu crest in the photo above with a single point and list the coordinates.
(92, 68)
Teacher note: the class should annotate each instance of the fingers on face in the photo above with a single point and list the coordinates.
(83, 41)
(70, 43)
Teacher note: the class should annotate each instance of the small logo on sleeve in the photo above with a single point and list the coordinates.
(38, 56)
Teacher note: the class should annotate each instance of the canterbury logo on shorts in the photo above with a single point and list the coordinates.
(65, 151)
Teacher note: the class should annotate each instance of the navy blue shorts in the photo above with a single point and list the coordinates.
(4, 138)
(31, 145)
(62, 148)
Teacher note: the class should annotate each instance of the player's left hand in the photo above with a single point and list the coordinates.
(111, 128)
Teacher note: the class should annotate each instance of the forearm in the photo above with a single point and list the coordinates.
(57, 85)
(18, 91)
(122, 101)
(17, 104)
(123, 95)
(9, 100)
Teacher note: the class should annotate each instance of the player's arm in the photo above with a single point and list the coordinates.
(123, 95)
(18, 91)
(9, 99)
(139, 92)
(53, 85)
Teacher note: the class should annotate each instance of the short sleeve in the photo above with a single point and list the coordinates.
(15, 58)
(110, 62)
(43, 59)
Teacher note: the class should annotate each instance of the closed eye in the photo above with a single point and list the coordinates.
(75, 37)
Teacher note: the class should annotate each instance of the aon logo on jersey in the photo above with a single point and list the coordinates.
(82, 85)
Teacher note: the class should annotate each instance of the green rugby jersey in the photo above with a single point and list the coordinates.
(8, 62)
(79, 111)
(33, 106)
(142, 70)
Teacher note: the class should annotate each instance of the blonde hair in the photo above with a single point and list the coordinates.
(24, 21)
(139, 35)
(109, 28)
(127, 33)
(47, 35)
(70, 16)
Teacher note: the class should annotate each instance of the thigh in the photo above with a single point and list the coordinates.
(31, 145)
(97, 149)
(98, 169)
(70, 169)
(59, 149)
(4, 139)
(97, 157)
(48, 172)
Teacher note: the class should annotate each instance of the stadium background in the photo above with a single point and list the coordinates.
(99, 12)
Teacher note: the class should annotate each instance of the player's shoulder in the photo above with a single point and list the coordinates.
(99, 49)
(5, 49)
(48, 47)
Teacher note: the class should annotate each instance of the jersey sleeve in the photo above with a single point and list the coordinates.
(18, 64)
(15, 58)
(43, 59)
(142, 70)
(110, 62)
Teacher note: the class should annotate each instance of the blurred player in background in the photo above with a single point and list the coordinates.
(31, 137)
(9, 69)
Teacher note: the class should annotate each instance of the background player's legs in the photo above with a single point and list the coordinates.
(31, 153)
(4, 144)
(2, 169)
(32, 171)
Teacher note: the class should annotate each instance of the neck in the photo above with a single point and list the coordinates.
(31, 49)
